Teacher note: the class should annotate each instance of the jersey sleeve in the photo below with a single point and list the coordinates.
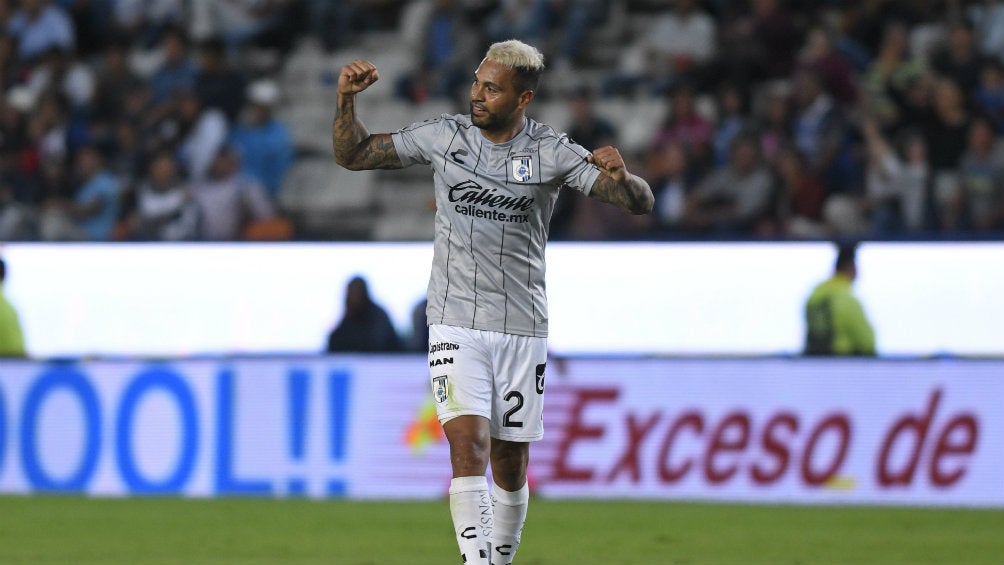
(578, 173)
(415, 144)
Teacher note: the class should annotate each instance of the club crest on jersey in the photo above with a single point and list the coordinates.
(439, 389)
(522, 169)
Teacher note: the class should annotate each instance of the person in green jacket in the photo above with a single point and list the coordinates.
(835, 321)
(11, 336)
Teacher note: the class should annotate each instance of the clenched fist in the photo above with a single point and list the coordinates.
(356, 77)
(609, 160)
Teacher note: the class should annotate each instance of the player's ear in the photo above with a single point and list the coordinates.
(525, 98)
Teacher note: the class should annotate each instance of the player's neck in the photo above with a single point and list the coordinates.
(507, 132)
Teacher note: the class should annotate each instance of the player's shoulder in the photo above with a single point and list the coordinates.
(547, 134)
(556, 141)
(448, 121)
(543, 132)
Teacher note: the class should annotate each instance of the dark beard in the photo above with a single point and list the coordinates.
(489, 121)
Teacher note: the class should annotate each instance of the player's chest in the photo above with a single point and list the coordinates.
(505, 165)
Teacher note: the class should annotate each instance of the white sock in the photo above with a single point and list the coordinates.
(510, 513)
(471, 508)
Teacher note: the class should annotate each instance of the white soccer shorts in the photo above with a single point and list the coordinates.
(491, 374)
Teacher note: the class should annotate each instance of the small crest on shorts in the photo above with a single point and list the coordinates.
(522, 169)
(440, 388)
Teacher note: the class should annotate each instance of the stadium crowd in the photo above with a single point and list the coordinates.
(158, 119)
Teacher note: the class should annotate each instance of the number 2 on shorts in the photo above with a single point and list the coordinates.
(507, 420)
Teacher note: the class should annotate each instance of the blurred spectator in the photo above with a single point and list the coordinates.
(988, 16)
(822, 58)
(38, 26)
(92, 213)
(587, 127)
(129, 154)
(672, 181)
(759, 45)
(990, 94)
(835, 321)
(526, 20)
(176, 72)
(818, 126)
(217, 84)
(867, 23)
(575, 18)
(732, 112)
(12, 71)
(590, 130)
(199, 133)
(143, 22)
(18, 165)
(365, 326)
(982, 179)
(60, 71)
(18, 221)
(774, 122)
(115, 80)
(332, 22)
(419, 340)
(229, 200)
(165, 209)
(675, 47)
(263, 142)
(959, 58)
(49, 136)
(888, 77)
(895, 181)
(947, 132)
(735, 199)
(800, 197)
(92, 24)
(343, 22)
(916, 107)
(237, 22)
(444, 42)
(11, 335)
(915, 182)
(683, 123)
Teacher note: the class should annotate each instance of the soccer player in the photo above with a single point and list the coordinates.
(835, 321)
(497, 174)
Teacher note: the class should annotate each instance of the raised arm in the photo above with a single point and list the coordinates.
(355, 147)
(617, 186)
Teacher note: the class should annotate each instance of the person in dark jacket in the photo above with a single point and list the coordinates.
(365, 325)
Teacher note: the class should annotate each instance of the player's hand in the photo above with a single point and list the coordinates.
(356, 77)
(609, 160)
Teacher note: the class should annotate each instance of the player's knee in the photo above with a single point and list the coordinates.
(468, 458)
(509, 460)
(469, 449)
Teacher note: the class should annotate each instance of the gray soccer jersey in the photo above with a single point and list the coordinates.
(493, 206)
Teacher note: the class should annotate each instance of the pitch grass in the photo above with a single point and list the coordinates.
(81, 531)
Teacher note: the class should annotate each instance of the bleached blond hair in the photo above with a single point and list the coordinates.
(525, 59)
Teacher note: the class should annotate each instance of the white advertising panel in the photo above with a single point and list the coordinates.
(670, 299)
(796, 431)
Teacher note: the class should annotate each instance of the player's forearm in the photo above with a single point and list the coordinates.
(638, 195)
(347, 132)
(355, 147)
(633, 194)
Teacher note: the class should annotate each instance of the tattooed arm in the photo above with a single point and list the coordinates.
(617, 186)
(355, 147)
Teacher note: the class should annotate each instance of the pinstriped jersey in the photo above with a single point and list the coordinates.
(493, 206)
